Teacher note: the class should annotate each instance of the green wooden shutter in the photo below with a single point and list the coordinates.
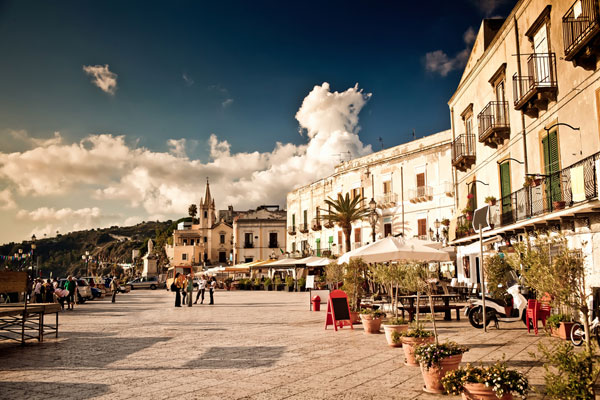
(551, 166)
(305, 219)
(505, 187)
(318, 247)
(293, 219)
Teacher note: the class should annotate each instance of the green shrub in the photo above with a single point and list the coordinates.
(554, 320)
(430, 355)
(267, 283)
(289, 281)
(396, 321)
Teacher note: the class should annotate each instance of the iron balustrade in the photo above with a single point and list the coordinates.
(580, 23)
(292, 230)
(248, 245)
(463, 146)
(541, 69)
(316, 224)
(493, 116)
(387, 199)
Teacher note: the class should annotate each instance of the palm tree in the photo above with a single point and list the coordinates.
(344, 211)
(193, 211)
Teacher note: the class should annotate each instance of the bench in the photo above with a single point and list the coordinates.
(424, 309)
(24, 321)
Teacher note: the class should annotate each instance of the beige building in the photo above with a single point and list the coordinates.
(259, 234)
(410, 183)
(527, 106)
(209, 242)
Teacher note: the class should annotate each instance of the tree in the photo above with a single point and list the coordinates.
(334, 273)
(344, 211)
(193, 211)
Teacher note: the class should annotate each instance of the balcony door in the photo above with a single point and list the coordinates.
(551, 167)
(505, 188)
(500, 99)
(541, 59)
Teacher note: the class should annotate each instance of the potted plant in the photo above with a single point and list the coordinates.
(446, 222)
(371, 320)
(436, 359)
(411, 338)
(278, 283)
(256, 283)
(302, 284)
(491, 200)
(481, 383)
(396, 324)
(289, 282)
(228, 282)
(353, 286)
(267, 284)
(558, 205)
(560, 325)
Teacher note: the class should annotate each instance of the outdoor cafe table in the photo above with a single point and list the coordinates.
(447, 308)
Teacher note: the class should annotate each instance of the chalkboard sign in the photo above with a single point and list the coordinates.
(338, 311)
(340, 308)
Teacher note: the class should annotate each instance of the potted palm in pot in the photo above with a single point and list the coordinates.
(397, 324)
(371, 320)
(436, 359)
(486, 383)
(411, 338)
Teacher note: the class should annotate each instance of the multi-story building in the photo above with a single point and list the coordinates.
(525, 127)
(410, 185)
(259, 234)
(209, 242)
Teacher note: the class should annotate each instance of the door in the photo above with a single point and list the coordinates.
(387, 230)
(318, 245)
(542, 58)
(505, 189)
(223, 257)
(551, 168)
(421, 184)
(500, 112)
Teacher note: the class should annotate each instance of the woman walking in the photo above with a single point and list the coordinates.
(213, 286)
(175, 288)
(201, 288)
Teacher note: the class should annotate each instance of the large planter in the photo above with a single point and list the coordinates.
(409, 344)
(558, 205)
(433, 376)
(478, 391)
(354, 317)
(370, 324)
(563, 331)
(389, 329)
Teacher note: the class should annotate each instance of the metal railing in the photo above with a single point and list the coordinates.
(541, 70)
(554, 192)
(579, 24)
(421, 193)
(316, 224)
(493, 116)
(292, 230)
(387, 199)
(303, 228)
(463, 146)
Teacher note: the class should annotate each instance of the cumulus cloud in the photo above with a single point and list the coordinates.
(47, 220)
(439, 62)
(7, 201)
(102, 77)
(163, 184)
(23, 137)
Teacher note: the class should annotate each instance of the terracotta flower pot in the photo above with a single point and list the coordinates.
(354, 317)
(563, 331)
(389, 329)
(409, 344)
(371, 325)
(478, 391)
(558, 205)
(433, 376)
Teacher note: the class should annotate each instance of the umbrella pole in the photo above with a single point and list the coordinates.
(482, 277)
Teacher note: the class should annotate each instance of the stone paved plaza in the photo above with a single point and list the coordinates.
(255, 345)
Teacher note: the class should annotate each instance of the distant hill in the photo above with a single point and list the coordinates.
(61, 255)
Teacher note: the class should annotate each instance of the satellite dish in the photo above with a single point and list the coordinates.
(481, 219)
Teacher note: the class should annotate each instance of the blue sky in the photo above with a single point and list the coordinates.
(237, 69)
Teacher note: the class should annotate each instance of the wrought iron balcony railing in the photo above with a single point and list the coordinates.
(494, 127)
(581, 23)
(540, 79)
(463, 152)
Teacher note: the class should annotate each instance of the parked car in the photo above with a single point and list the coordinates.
(83, 290)
(145, 282)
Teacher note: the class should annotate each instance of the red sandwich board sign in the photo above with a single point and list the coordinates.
(338, 310)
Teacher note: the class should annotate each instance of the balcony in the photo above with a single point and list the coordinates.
(327, 223)
(448, 189)
(494, 127)
(420, 194)
(463, 152)
(533, 91)
(291, 230)
(388, 200)
(316, 224)
(581, 25)
(248, 245)
(303, 228)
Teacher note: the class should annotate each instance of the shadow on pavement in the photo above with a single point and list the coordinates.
(484, 345)
(237, 357)
(41, 390)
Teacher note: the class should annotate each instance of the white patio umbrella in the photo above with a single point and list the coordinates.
(393, 249)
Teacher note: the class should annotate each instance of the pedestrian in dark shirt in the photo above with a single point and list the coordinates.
(175, 288)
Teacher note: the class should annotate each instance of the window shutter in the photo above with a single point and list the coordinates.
(420, 180)
(505, 187)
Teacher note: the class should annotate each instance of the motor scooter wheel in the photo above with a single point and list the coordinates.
(476, 317)
(577, 334)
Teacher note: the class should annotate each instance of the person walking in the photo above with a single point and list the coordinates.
(70, 287)
(37, 291)
(213, 286)
(114, 286)
(190, 289)
(48, 292)
(201, 289)
(181, 285)
(175, 288)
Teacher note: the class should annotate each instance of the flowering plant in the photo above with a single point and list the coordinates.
(416, 331)
(497, 376)
(372, 313)
(430, 355)
(470, 196)
(396, 321)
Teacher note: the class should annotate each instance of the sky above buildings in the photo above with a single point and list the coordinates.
(116, 112)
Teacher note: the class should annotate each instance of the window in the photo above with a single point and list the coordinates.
(183, 256)
(357, 238)
(293, 247)
(387, 230)
(305, 214)
(552, 165)
(248, 259)
(421, 184)
(318, 246)
(205, 239)
(205, 214)
(248, 239)
(222, 238)
(422, 227)
(505, 187)
(293, 220)
(387, 187)
(185, 242)
(273, 240)
(469, 125)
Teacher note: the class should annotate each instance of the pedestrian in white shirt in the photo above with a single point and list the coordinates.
(213, 287)
(201, 290)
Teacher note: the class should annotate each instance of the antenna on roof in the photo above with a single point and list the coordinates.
(414, 136)
(381, 141)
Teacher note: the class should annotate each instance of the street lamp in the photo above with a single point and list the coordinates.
(437, 224)
(33, 246)
(86, 257)
(373, 217)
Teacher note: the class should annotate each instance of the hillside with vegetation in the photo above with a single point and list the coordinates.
(107, 247)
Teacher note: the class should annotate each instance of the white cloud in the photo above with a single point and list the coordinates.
(439, 62)
(227, 103)
(163, 184)
(102, 77)
(188, 79)
(23, 136)
(487, 7)
(6, 200)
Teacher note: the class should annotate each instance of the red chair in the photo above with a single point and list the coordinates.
(532, 308)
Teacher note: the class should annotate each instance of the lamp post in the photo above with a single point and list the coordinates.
(33, 246)
(86, 257)
(373, 217)
(437, 224)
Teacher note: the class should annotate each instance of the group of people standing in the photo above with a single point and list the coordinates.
(183, 286)
(49, 292)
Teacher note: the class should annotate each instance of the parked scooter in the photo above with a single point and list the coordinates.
(497, 312)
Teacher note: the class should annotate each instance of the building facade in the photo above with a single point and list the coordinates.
(410, 183)
(525, 129)
(259, 234)
(209, 242)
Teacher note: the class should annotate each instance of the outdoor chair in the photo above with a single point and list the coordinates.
(537, 311)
